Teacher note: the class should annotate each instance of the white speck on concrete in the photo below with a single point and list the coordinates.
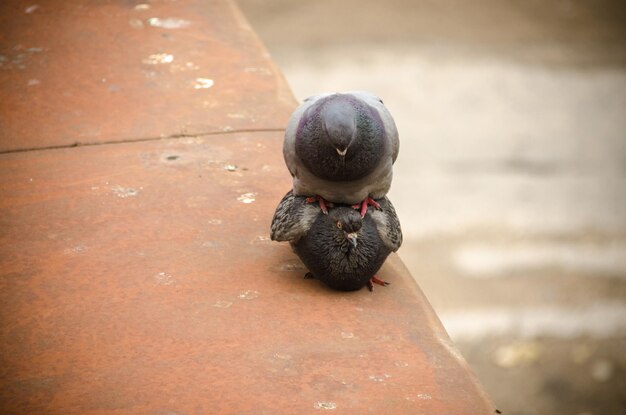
(142, 6)
(379, 378)
(419, 396)
(31, 9)
(214, 221)
(203, 83)
(168, 23)
(75, 249)
(158, 59)
(347, 335)
(325, 405)
(222, 304)
(249, 295)
(33, 82)
(230, 167)
(247, 198)
(124, 192)
(282, 356)
(163, 278)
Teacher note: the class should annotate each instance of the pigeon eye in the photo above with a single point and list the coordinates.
(339, 225)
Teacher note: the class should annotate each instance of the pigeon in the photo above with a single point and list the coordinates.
(340, 148)
(340, 248)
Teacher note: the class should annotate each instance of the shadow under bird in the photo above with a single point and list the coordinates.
(341, 248)
(341, 148)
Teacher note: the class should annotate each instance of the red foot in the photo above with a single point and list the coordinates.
(376, 280)
(368, 201)
(323, 203)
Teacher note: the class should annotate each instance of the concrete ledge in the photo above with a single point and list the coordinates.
(100, 72)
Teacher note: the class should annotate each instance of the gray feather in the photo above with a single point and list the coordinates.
(387, 224)
(293, 218)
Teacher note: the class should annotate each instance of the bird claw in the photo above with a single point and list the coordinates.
(376, 280)
(368, 201)
(324, 205)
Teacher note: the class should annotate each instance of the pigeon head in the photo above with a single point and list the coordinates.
(347, 223)
(341, 138)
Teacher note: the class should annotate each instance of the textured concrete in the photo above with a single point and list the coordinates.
(93, 72)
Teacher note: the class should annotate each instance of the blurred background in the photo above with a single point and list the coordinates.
(511, 179)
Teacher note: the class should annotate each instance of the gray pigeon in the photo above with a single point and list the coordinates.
(341, 249)
(341, 148)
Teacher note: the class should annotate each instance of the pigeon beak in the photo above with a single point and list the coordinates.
(352, 238)
(343, 152)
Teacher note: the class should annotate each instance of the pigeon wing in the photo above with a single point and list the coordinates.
(293, 218)
(289, 143)
(387, 224)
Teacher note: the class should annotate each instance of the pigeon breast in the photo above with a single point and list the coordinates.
(334, 261)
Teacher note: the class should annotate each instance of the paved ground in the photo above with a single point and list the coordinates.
(511, 182)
